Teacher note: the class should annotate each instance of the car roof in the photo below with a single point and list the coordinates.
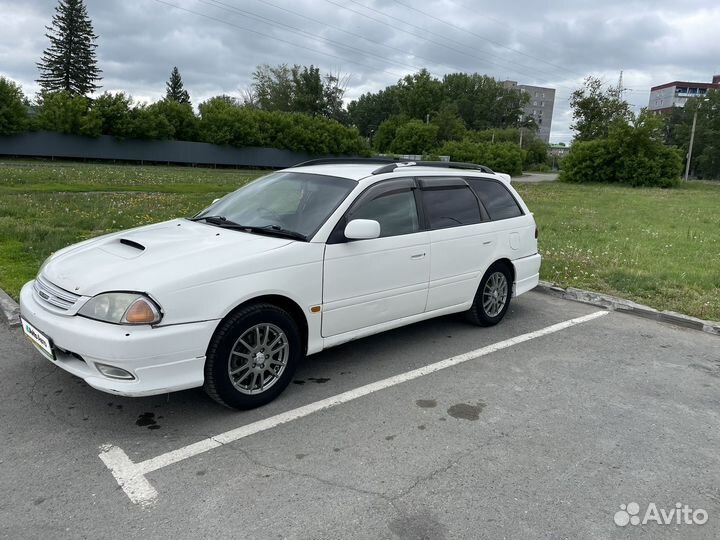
(352, 171)
(367, 173)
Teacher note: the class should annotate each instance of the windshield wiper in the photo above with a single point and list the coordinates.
(280, 231)
(215, 220)
(276, 230)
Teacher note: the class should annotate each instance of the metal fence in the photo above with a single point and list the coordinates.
(58, 145)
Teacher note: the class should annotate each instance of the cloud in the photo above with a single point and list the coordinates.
(218, 43)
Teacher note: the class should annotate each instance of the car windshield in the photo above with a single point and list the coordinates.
(288, 201)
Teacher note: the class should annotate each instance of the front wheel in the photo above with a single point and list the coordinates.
(492, 298)
(252, 357)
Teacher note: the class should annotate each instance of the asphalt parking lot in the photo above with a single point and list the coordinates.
(542, 438)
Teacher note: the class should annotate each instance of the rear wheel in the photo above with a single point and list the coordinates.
(493, 297)
(252, 357)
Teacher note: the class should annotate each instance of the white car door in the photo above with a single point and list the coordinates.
(373, 281)
(462, 241)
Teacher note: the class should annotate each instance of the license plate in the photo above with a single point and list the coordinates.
(37, 338)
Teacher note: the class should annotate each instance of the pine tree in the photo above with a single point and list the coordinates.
(69, 63)
(175, 89)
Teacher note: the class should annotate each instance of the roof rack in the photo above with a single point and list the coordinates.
(390, 164)
(390, 167)
(341, 160)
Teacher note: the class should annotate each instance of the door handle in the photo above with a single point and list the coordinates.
(417, 256)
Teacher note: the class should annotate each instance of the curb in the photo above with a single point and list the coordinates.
(9, 309)
(613, 303)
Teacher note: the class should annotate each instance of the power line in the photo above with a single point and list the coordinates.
(197, 13)
(451, 25)
(440, 44)
(334, 27)
(227, 7)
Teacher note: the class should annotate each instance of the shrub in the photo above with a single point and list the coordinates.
(143, 122)
(632, 154)
(180, 116)
(13, 111)
(223, 121)
(67, 113)
(113, 110)
(415, 137)
(501, 157)
(385, 134)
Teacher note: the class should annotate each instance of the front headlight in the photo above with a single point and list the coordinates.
(122, 308)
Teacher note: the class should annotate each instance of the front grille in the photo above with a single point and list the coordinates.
(53, 295)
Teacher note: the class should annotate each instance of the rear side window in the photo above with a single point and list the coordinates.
(450, 207)
(497, 200)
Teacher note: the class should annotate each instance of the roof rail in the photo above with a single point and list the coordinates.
(390, 167)
(341, 160)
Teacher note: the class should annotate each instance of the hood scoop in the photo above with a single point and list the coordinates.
(132, 244)
(123, 247)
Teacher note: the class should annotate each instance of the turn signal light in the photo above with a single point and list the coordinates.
(141, 312)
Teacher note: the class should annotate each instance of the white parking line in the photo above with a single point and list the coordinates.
(131, 476)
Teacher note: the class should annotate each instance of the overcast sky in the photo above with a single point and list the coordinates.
(217, 44)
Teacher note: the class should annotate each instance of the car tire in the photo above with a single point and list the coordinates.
(252, 356)
(492, 298)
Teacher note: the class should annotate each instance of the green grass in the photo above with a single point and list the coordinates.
(655, 246)
(658, 247)
(45, 206)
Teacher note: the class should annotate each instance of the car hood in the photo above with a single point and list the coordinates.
(146, 258)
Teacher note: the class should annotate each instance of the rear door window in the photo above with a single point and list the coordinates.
(451, 206)
(498, 201)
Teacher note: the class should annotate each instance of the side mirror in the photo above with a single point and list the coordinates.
(362, 229)
(215, 200)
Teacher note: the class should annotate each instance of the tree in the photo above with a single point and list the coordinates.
(595, 109)
(64, 112)
(175, 90)
(370, 110)
(419, 94)
(482, 102)
(450, 126)
(706, 146)
(299, 89)
(69, 63)
(13, 108)
(273, 87)
(307, 91)
(479, 101)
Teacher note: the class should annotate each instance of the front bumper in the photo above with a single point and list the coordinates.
(162, 359)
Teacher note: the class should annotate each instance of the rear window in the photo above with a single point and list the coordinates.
(496, 198)
(450, 207)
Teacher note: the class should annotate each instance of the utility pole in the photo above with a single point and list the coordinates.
(521, 135)
(690, 148)
(692, 140)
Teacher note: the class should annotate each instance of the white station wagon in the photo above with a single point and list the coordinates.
(290, 264)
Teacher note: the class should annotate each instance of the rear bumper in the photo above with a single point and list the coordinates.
(527, 273)
(162, 359)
